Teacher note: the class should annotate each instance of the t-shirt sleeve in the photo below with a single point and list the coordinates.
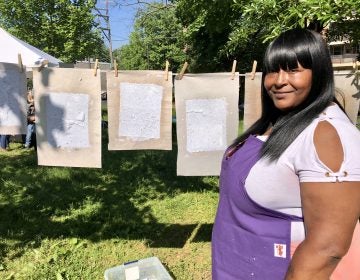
(309, 167)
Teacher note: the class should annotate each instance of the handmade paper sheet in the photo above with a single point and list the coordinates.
(12, 99)
(207, 121)
(206, 125)
(68, 124)
(68, 117)
(139, 110)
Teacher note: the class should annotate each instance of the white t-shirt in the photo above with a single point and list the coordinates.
(276, 185)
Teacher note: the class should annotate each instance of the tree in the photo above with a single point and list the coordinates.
(63, 28)
(218, 31)
(157, 37)
(209, 26)
(279, 15)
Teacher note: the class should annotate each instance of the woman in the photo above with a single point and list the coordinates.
(290, 185)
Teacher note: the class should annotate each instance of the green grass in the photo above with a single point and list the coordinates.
(74, 223)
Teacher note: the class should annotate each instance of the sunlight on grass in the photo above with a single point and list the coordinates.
(85, 211)
(186, 208)
(74, 223)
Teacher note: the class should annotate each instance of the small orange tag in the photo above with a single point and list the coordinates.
(280, 250)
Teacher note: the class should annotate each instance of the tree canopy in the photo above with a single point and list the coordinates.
(157, 37)
(279, 15)
(62, 28)
(210, 36)
(220, 30)
(215, 32)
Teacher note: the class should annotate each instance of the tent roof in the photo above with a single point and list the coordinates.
(31, 56)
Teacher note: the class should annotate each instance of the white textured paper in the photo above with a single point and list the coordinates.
(67, 120)
(132, 273)
(205, 124)
(11, 98)
(140, 111)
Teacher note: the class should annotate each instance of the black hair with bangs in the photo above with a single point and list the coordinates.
(292, 47)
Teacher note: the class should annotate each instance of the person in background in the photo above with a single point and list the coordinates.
(30, 131)
(289, 202)
(4, 142)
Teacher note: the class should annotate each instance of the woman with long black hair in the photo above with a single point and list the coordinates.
(289, 202)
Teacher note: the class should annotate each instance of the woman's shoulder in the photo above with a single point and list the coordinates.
(338, 119)
(330, 136)
(332, 122)
(334, 111)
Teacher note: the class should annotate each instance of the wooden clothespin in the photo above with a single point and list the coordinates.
(21, 66)
(253, 71)
(115, 69)
(182, 72)
(43, 64)
(96, 67)
(166, 70)
(233, 70)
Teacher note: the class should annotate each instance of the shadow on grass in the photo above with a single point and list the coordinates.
(50, 202)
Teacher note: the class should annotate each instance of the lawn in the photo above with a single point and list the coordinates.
(74, 223)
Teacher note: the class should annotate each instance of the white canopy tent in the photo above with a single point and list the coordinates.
(10, 47)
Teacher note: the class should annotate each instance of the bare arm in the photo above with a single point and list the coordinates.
(331, 211)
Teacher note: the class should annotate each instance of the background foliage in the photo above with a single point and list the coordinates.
(279, 15)
(157, 37)
(62, 28)
(209, 34)
(219, 31)
(213, 33)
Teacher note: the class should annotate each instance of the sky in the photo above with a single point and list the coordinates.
(121, 19)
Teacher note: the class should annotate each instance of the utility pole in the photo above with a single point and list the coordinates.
(104, 14)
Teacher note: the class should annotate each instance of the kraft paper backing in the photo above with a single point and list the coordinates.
(204, 86)
(67, 80)
(252, 99)
(347, 90)
(154, 77)
(347, 93)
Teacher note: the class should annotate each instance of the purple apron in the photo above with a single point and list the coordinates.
(248, 241)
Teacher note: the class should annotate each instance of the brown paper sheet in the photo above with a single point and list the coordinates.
(347, 86)
(252, 99)
(68, 85)
(192, 92)
(147, 80)
(347, 92)
(12, 99)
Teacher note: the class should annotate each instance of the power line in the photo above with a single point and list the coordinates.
(106, 30)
